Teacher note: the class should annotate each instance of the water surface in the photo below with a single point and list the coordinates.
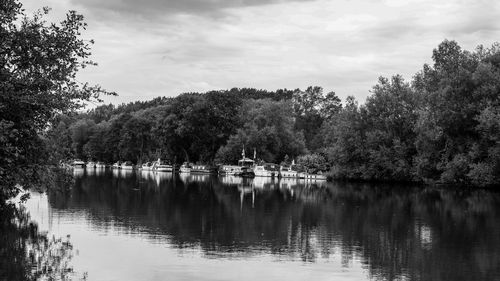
(130, 225)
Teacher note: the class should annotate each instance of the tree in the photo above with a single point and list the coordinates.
(344, 142)
(94, 148)
(391, 113)
(461, 91)
(38, 64)
(313, 162)
(268, 127)
(81, 131)
(312, 108)
(136, 140)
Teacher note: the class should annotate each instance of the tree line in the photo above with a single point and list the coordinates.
(442, 126)
(207, 127)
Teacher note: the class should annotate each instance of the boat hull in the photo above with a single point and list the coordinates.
(204, 170)
(314, 177)
(289, 174)
(164, 168)
(265, 173)
(185, 170)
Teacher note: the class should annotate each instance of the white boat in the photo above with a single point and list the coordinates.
(148, 166)
(244, 168)
(314, 177)
(203, 169)
(77, 163)
(90, 165)
(260, 171)
(127, 165)
(266, 170)
(100, 165)
(116, 165)
(229, 170)
(246, 165)
(287, 172)
(232, 170)
(185, 168)
(161, 166)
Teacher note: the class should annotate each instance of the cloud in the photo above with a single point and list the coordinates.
(151, 48)
(159, 8)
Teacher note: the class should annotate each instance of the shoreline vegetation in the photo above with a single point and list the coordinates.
(442, 127)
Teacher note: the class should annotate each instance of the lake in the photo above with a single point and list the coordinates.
(127, 225)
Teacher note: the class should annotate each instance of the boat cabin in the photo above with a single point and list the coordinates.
(246, 162)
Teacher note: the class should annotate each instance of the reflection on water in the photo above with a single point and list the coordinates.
(78, 172)
(232, 180)
(155, 226)
(188, 178)
(265, 182)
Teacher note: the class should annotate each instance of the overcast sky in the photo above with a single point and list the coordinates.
(153, 48)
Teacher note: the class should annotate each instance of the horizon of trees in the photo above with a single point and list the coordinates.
(442, 126)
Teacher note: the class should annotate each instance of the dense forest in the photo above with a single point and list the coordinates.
(442, 126)
(211, 127)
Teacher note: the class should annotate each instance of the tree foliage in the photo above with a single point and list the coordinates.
(267, 128)
(443, 127)
(38, 66)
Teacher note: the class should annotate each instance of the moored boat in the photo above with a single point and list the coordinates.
(308, 176)
(203, 169)
(288, 172)
(229, 170)
(244, 168)
(127, 165)
(77, 163)
(185, 168)
(266, 170)
(116, 165)
(90, 165)
(148, 166)
(100, 165)
(246, 172)
(162, 166)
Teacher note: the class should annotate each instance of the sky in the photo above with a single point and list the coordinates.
(152, 48)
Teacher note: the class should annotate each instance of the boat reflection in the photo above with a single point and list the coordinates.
(116, 173)
(184, 177)
(100, 171)
(126, 173)
(265, 182)
(162, 177)
(289, 183)
(200, 178)
(231, 180)
(146, 174)
(244, 190)
(95, 172)
(78, 172)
